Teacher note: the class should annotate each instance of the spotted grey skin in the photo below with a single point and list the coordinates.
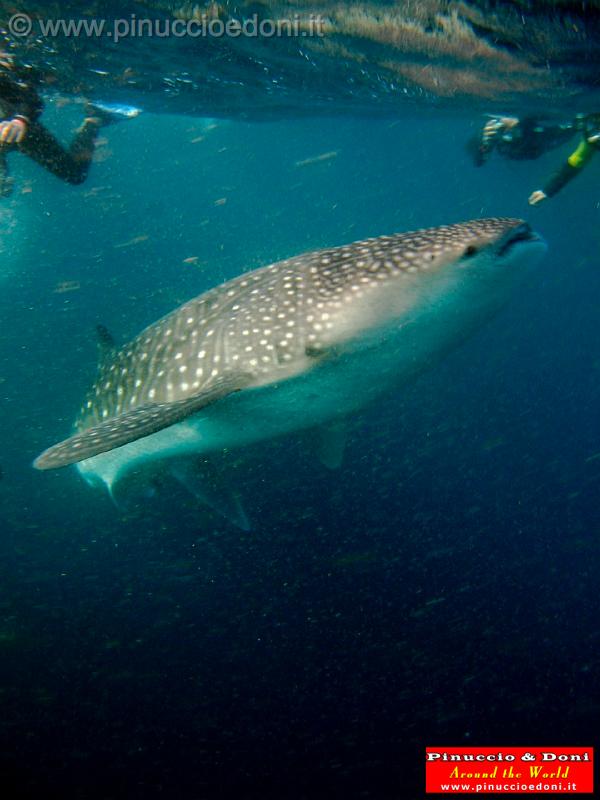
(293, 345)
(263, 321)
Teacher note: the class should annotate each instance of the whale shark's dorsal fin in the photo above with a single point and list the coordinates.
(135, 424)
(106, 344)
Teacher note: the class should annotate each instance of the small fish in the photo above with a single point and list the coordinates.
(317, 159)
(136, 240)
(66, 286)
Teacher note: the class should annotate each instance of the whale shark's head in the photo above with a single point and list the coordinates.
(496, 243)
(463, 271)
(483, 258)
(478, 247)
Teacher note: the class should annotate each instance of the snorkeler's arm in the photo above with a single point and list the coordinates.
(24, 105)
(572, 167)
(21, 97)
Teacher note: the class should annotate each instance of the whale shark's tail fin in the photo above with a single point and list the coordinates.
(135, 424)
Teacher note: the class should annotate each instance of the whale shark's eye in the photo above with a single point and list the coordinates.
(470, 251)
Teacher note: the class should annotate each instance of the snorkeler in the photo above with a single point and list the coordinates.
(589, 125)
(529, 139)
(521, 139)
(20, 130)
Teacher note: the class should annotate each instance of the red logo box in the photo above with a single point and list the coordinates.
(514, 770)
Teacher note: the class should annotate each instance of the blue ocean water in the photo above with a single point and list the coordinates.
(440, 588)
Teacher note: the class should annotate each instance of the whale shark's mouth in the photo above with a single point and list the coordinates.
(517, 237)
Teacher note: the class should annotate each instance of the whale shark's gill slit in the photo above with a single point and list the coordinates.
(136, 424)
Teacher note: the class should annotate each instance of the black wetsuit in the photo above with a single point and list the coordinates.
(528, 139)
(531, 138)
(19, 99)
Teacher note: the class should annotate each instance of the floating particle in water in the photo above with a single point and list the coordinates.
(492, 444)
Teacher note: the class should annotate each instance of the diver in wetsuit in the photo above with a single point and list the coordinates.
(529, 138)
(520, 139)
(589, 126)
(20, 130)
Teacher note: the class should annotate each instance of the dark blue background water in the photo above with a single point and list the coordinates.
(441, 588)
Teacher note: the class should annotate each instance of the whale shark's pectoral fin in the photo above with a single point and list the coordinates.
(135, 424)
(331, 443)
(202, 479)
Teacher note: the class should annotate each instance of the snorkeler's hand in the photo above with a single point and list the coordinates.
(496, 124)
(537, 197)
(12, 131)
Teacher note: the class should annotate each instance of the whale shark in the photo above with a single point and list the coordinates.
(298, 344)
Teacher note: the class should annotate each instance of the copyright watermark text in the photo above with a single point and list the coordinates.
(23, 25)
